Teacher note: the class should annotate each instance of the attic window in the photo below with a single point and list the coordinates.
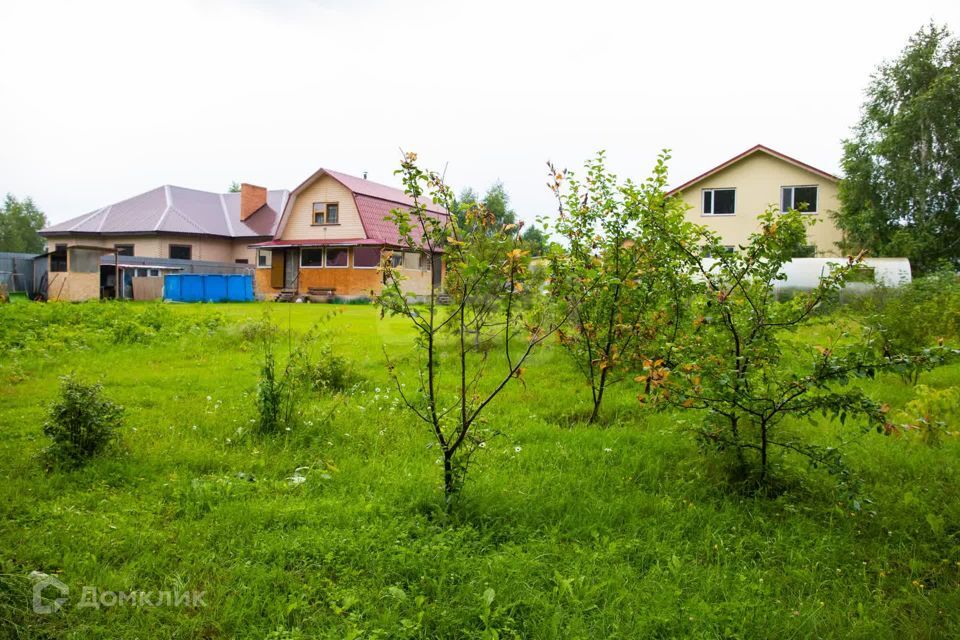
(799, 198)
(326, 213)
(717, 202)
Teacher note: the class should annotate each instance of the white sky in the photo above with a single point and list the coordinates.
(103, 100)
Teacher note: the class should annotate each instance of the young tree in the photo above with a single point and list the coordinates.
(536, 240)
(736, 361)
(635, 281)
(20, 222)
(900, 195)
(497, 202)
(234, 187)
(458, 377)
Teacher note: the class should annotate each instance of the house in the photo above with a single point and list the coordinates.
(728, 198)
(179, 223)
(326, 238)
(332, 236)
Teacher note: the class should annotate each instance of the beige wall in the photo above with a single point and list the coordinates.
(73, 287)
(299, 224)
(757, 179)
(204, 247)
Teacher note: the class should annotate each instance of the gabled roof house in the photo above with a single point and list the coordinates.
(324, 238)
(729, 197)
(331, 235)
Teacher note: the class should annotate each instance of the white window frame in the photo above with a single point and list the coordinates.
(793, 195)
(269, 255)
(327, 263)
(326, 212)
(323, 258)
(713, 201)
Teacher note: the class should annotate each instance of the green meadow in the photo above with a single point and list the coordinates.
(336, 528)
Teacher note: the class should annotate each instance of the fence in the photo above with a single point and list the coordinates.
(182, 266)
(16, 271)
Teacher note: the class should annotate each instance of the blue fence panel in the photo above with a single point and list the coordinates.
(171, 287)
(239, 288)
(209, 287)
(215, 288)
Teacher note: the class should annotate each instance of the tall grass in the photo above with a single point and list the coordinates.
(623, 530)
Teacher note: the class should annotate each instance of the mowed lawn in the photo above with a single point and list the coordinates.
(622, 530)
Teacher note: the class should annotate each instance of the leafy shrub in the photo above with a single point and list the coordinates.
(276, 400)
(257, 331)
(933, 413)
(918, 315)
(81, 422)
(330, 371)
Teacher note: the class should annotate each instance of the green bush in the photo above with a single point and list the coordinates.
(330, 371)
(915, 316)
(81, 422)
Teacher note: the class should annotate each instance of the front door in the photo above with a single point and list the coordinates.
(291, 268)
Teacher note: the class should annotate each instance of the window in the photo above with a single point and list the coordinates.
(264, 258)
(58, 259)
(154, 273)
(84, 260)
(396, 259)
(424, 262)
(311, 257)
(181, 251)
(241, 261)
(124, 249)
(338, 257)
(366, 257)
(326, 213)
(799, 198)
(411, 260)
(719, 202)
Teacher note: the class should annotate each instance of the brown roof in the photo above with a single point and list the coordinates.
(752, 150)
(171, 209)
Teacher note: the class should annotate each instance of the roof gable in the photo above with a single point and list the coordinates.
(373, 202)
(748, 153)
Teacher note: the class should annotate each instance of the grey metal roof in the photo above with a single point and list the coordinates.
(170, 209)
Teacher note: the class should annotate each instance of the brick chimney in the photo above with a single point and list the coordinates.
(252, 198)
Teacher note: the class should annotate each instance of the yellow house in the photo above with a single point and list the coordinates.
(728, 198)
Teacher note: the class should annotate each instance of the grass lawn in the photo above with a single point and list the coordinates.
(623, 530)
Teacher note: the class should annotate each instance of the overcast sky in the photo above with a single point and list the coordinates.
(104, 100)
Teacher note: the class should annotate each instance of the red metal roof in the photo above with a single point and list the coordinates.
(374, 203)
(748, 152)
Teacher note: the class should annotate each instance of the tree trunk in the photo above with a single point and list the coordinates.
(449, 486)
(598, 396)
(763, 452)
